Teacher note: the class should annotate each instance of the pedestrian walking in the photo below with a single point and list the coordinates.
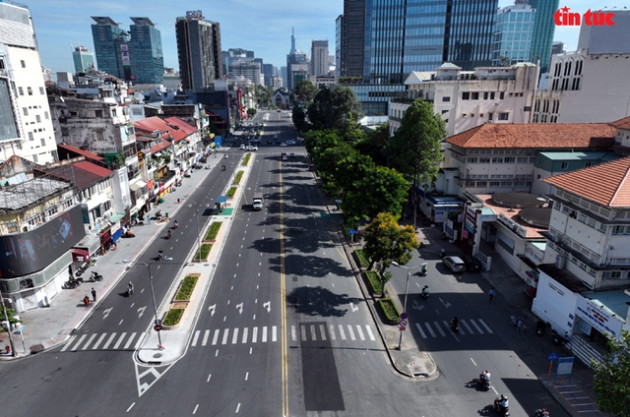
(93, 295)
(130, 289)
(491, 294)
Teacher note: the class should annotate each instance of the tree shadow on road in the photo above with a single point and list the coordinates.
(318, 301)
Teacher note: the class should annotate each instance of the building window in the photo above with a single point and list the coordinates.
(22, 63)
(565, 165)
(485, 95)
(51, 211)
(492, 95)
(29, 90)
(501, 95)
(474, 96)
(30, 136)
(490, 116)
(46, 115)
(42, 91)
(38, 118)
(446, 99)
(504, 116)
(25, 111)
(466, 96)
(21, 91)
(43, 142)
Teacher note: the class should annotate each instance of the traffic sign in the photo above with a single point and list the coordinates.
(403, 316)
(552, 356)
(157, 327)
(403, 328)
(352, 231)
(403, 323)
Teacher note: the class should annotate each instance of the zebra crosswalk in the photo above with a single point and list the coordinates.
(104, 341)
(311, 332)
(442, 328)
(236, 335)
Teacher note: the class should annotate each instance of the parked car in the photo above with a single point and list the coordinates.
(242, 146)
(455, 264)
(284, 156)
(472, 264)
(283, 144)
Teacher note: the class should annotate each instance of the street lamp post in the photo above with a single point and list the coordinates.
(404, 300)
(157, 321)
(6, 317)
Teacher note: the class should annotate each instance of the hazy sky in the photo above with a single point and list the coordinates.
(263, 26)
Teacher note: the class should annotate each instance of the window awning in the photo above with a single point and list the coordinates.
(115, 217)
(80, 255)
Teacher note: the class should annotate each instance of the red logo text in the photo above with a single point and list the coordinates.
(563, 17)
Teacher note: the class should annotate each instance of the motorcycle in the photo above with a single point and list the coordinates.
(541, 412)
(96, 276)
(484, 383)
(455, 325)
(503, 411)
(423, 269)
(168, 235)
(425, 293)
(223, 168)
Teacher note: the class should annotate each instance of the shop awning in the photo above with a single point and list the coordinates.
(222, 199)
(80, 255)
(115, 217)
(135, 186)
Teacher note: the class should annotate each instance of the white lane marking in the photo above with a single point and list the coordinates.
(424, 336)
(264, 334)
(303, 332)
(473, 361)
(245, 331)
(370, 334)
(76, 346)
(215, 337)
(195, 409)
(331, 332)
(131, 337)
(120, 339)
(342, 332)
(206, 335)
(246, 376)
(138, 343)
(477, 327)
(293, 333)
(89, 341)
(274, 333)
(468, 329)
(439, 328)
(447, 325)
(226, 333)
(322, 331)
(98, 342)
(360, 331)
(235, 336)
(113, 335)
(209, 377)
(130, 407)
(238, 407)
(313, 335)
(430, 329)
(255, 334)
(351, 333)
(483, 323)
(195, 338)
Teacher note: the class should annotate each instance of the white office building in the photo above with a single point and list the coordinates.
(26, 128)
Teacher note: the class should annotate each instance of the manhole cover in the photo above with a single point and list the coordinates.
(157, 355)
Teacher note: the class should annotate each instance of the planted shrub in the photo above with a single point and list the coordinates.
(238, 176)
(246, 159)
(231, 192)
(362, 258)
(213, 231)
(173, 316)
(374, 281)
(205, 250)
(187, 287)
(389, 310)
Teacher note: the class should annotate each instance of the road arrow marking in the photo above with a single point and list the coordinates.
(239, 307)
(353, 307)
(267, 305)
(106, 312)
(416, 306)
(141, 311)
(211, 309)
(444, 303)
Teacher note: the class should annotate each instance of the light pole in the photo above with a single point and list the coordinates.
(405, 299)
(6, 317)
(157, 321)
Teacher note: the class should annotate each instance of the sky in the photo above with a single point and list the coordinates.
(263, 26)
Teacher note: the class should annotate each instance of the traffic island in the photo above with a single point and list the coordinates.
(180, 301)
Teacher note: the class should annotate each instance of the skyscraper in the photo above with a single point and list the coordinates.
(319, 58)
(83, 60)
(382, 41)
(145, 49)
(111, 48)
(297, 65)
(26, 126)
(544, 28)
(513, 34)
(198, 51)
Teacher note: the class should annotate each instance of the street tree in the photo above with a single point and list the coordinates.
(299, 118)
(415, 148)
(331, 109)
(264, 95)
(386, 241)
(375, 190)
(610, 381)
(374, 144)
(251, 112)
(304, 93)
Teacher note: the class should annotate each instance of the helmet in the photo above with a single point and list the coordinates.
(486, 372)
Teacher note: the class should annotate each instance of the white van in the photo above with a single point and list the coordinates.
(455, 264)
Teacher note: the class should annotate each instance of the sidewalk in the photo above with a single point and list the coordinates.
(47, 327)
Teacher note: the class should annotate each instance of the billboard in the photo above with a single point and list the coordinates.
(29, 252)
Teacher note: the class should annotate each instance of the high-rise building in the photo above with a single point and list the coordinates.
(145, 48)
(111, 47)
(382, 41)
(544, 28)
(513, 34)
(26, 128)
(83, 60)
(234, 53)
(319, 58)
(198, 51)
(297, 65)
(246, 67)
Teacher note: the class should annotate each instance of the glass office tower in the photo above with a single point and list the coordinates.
(110, 47)
(544, 28)
(145, 47)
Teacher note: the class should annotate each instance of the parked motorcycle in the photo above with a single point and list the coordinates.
(95, 276)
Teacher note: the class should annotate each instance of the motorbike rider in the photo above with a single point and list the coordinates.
(485, 376)
(160, 255)
(455, 323)
(176, 224)
(425, 292)
(168, 234)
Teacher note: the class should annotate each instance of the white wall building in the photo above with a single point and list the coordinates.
(590, 84)
(26, 128)
(466, 99)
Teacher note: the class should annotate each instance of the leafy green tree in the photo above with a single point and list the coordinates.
(375, 144)
(264, 96)
(415, 148)
(331, 109)
(386, 241)
(611, 381)
(304, 93)
(375, 191)
(251, 112)
(299, 118)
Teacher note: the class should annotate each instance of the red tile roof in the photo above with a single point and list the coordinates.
(607, 184)
(622, 123)
(160, 147)
(536, 135)
(152, 124)
(181, 124)
(79, 151)
(81, 174)
(94, 169)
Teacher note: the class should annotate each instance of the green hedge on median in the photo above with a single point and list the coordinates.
(246, 159)
(213, 231)
(173, 316)
(374, 281)
(362, 258)
(237, 177)
(231, 192)
(389, 310)
(187, 287)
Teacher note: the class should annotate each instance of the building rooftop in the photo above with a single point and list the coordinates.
(513, 217)
(578, 156)
(25, 194)
(616, 301)
(589, 183)
(536, 136)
